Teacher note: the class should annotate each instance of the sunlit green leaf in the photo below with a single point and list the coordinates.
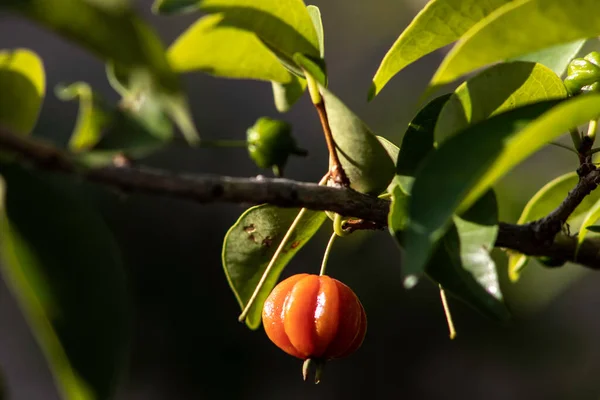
(364, 159)
(251, 243)
(591, 218)
(520, 27)
(316, 68)
(287, 94)
(225, 51)
(467, 165)
(284, 25)
(93, 116)
(440, 23)
(315, 16)
(168, 7)
(62, 264)
(543, 203)
(398, 216)
(496, 90)
(557, 58)
(22, 88)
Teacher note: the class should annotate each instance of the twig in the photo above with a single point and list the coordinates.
(540, 238)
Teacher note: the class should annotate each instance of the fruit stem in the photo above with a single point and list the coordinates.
(337, 226)
(326, 255)
(592, 128)
(447, 312)
(308, 365)
(271, 264)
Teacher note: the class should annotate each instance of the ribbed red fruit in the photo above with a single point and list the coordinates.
(314, 317)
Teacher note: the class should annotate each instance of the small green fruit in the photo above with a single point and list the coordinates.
(582, 73)
(270, 143)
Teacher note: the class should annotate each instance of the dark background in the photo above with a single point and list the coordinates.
(188, 343)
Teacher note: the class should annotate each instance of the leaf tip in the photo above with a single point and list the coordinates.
(373, 91)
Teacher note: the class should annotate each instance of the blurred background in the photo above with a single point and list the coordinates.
(188, 343)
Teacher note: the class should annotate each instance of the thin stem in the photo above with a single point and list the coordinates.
(338, 221)
(271, 264)
(564, 147)
(448, 313)
(327, 252)
(576, 137)
(592, 128)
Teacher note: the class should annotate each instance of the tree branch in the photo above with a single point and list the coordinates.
(539, 238)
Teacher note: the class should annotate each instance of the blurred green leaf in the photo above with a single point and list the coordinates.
(440, 23)
(520, 27)
(225, 51)
(364, 159)
(595, 228)
(23, 86)
(93, 116)
(557, 58)
(495, 90)
(418, 141)
(251, 243)
(468, 164)
(315, 16)
(112, 31)
(591, 217)
(284, 25)
(61, 263)
(543, 203)
(286, 95)
(168, 7)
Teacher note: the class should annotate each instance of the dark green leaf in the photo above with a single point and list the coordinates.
(251, 243)
(418, 141)
(496, 90)
(518, 28)
(557, 58)
(22, 88)
(365, 160)
(440, 23)
(61, 263)
(594, 228)
(168, 7)
(467, 165)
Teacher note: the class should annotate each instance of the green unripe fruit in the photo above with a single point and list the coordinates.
(270, 143)
(583, 72)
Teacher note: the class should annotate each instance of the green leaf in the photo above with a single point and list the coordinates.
(111, 30)
(284, 25)
(595, 228)
(315, 16)
(364, 159)
(214, 47)
(63, 266)
(418, 141)
(250, 244)
(398, 215)
(520, 27)
(287, 94)
(495, 90)
(590, 218)
(93, 116)
(168, 7)
(541, 204)
(440, 23)
(316, 68)
(23, 86)
(462, 263)
(557, 58)
(467, 165)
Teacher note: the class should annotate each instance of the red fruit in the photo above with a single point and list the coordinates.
(314, 317)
